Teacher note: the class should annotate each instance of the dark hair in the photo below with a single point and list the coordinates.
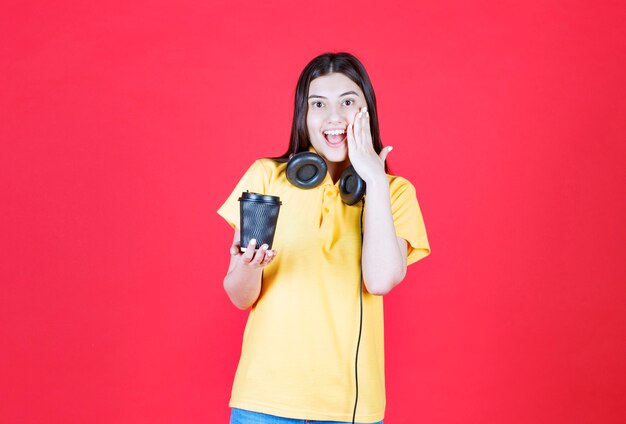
(324, 64)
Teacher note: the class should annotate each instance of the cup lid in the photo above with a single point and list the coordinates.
(260, 198)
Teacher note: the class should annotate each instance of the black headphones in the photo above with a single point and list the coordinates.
(307, 170)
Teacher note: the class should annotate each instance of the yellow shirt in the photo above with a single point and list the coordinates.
(300, 340)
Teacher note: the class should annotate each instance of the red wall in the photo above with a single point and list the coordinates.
(124, 125)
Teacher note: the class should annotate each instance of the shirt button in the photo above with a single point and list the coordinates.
(326, 210)
(330, 193)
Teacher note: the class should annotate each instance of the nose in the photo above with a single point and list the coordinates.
(337, 114)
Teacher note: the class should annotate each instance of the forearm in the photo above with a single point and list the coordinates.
(243, 285)
(382, 262)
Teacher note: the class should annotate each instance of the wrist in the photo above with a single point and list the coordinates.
(378, 180)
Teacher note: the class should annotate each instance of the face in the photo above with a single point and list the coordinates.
(333, 102)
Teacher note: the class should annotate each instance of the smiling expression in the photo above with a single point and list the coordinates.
(333, 102)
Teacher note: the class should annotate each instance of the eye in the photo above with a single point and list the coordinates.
(314, 104)
(350, 101)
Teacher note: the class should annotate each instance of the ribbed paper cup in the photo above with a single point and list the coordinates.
(258, 218)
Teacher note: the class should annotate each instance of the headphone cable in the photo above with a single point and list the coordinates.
(356, 359)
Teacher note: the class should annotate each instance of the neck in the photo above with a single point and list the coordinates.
(336, 168)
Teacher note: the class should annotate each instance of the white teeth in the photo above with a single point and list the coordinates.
(334, 132)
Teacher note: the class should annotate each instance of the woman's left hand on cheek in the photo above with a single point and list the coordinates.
(367, 163)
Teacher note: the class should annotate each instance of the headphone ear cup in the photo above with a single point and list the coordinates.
(306, 170)
(351, 186)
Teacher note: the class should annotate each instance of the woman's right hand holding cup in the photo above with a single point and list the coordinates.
(253, 258)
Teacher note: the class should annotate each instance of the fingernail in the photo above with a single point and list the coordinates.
(390, 148)
(253, 241)
(264, 246)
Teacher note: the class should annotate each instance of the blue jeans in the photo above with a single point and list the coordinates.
(243, 416)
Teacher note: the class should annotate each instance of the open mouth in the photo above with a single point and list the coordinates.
(335, 139)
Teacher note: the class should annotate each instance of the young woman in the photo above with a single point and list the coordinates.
(313, 343)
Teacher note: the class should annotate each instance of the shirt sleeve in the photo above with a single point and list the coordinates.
(408, 220)
(255, 180)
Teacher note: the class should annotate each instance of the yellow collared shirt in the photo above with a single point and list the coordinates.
(300, 340)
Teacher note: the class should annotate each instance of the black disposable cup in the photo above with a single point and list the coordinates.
(258, 218)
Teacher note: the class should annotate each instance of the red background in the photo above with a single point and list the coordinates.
(124, 125)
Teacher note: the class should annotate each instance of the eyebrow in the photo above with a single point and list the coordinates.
(344, 94)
